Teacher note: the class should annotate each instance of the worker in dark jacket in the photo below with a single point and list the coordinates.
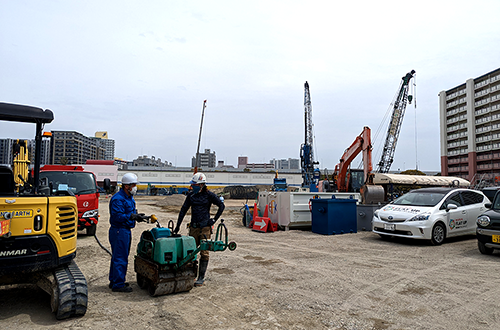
(123, 216)
(200, 201)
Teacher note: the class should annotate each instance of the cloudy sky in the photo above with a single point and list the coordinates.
(141, 70)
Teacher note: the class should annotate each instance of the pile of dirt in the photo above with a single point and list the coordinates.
(173, 203)
(172, 200)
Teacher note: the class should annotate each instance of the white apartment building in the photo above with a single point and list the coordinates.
(470, 129)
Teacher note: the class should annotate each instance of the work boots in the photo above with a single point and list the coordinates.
(201, 273)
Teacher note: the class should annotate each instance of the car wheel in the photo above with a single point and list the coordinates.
(438, 234)
(483, 249)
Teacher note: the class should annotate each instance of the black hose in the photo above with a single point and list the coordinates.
(102, 246)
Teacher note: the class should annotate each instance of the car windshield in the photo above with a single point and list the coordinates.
(496, 204)
(416, 198)
(79, 183)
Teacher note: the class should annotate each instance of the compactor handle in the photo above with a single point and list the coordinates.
(170, 225)
(221, 227)
(218, 236)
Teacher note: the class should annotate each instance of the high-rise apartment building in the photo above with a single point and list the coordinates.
(108, 145)
(75, 147)
(44, 151)
(286, 164)
(470, 129)
(207, 159)
(6, 151)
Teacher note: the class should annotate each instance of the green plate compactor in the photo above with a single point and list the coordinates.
(166, 263)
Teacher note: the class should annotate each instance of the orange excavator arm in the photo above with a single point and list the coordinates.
(362, 143)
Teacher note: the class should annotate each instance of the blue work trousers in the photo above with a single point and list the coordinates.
(120, 239)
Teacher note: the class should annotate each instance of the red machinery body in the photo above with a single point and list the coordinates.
(362, 143)
(82, 184)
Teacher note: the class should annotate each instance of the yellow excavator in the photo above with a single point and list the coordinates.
(38, 227)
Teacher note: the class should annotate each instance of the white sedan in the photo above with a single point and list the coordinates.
(431, 213)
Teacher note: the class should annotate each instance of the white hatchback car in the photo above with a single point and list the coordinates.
(431, 213)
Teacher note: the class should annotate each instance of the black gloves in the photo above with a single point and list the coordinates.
(211, 222)
(176, 230)
(141, 217)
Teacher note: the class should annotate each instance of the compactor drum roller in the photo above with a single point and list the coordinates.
(166, 263)
(157, 262)
(38, 231)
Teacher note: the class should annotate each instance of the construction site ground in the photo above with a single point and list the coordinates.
(292, 279)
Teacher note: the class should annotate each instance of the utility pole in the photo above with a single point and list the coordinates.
(199, 139)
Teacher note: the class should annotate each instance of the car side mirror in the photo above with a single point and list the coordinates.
(451, 207)
(107, 184)
(488, 205)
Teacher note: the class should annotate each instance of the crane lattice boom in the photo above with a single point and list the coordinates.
(306, 150)
(398, 113)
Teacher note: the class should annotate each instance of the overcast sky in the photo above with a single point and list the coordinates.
(141, 70)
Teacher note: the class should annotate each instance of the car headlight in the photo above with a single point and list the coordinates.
(91, 213)
(483, 221)
(421, 217)
(375, 214)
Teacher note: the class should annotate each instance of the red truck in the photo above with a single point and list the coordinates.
(82, 184)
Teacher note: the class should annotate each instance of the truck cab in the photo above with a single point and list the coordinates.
(80, 183)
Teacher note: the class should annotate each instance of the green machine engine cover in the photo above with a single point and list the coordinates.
(171, 250)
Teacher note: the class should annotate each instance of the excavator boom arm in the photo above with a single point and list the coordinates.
(362, 143)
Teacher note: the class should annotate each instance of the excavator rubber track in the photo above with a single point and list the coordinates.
(70, 295)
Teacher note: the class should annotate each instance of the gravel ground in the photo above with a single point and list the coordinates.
(285, 280)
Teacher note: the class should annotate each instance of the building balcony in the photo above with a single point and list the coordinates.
(456, 127)
(457, 152)
(482, 111)
(481, 93)
(462, 160)
(481, 102)
(458, 169)
(481, 84)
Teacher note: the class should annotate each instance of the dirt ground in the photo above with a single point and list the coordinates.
(285, 280)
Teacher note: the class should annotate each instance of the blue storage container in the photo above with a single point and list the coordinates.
(334, 216)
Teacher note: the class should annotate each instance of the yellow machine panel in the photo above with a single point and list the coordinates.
(22, 211)
(56, 216)
(64, 229)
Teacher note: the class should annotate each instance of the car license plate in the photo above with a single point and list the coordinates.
(495, 238)
(4, 227)
(391, 227)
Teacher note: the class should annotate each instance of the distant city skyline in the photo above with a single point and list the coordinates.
(141, 71)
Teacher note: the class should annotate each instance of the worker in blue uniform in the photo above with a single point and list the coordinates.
(200, 200)
(123, 217)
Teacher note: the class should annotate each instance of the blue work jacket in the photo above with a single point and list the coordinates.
(121, 206)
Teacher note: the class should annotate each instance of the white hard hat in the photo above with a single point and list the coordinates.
(129, 178)
(198, 178)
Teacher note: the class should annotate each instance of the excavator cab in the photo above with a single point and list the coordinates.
(38, 232)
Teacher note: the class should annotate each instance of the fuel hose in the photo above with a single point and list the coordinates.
(102, 246)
